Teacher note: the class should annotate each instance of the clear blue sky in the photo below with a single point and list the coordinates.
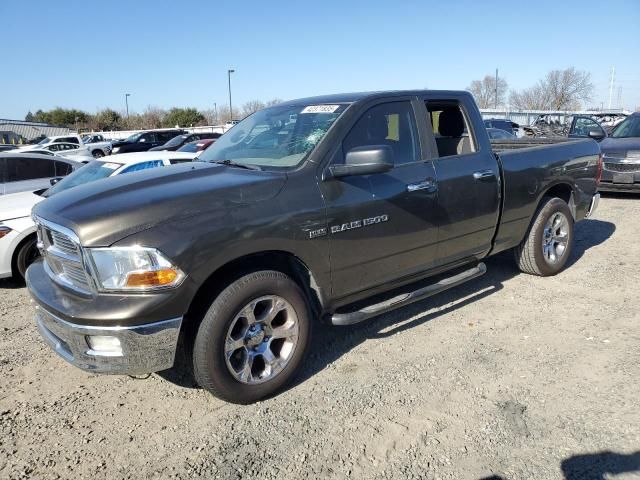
(86, 54)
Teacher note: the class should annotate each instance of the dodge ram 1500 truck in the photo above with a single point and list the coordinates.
(336, 208)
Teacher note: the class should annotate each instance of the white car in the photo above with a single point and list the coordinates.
(72, 151)
(18, 242)
(94, 148)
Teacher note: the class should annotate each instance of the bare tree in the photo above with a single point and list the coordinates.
(484, 91)
(559, 90)
(273, 101)
(223, 114)
(252, 106)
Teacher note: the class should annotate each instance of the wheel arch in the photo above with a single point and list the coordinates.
(14, 255)
(562, 190)
(282, 261)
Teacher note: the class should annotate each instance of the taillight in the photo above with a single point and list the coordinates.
(599, 172)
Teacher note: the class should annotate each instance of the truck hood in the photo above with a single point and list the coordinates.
(619, 145)
(17, 205)
(108, 210)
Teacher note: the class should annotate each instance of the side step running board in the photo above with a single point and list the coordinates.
(407, 298)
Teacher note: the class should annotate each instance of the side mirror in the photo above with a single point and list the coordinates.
(364, 161)
(55, 180)
(596, 134)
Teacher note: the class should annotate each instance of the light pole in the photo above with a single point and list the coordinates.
(215, 112)
(229, 72)
(126, 102)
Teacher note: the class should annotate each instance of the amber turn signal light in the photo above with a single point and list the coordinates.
(156, 278)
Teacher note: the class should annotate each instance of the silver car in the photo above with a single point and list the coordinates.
(20, 172)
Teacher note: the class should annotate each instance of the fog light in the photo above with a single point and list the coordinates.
(104, 345)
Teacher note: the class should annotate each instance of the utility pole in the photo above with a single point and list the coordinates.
(613, 76)
(126, 102)
(215, 112)
(496, 102)
(229, 72)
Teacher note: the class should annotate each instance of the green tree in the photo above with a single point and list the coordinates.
(29, 117)
(107, 119)
(183, 117)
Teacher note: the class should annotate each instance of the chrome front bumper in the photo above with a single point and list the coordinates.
(144, 348)
(595, 201)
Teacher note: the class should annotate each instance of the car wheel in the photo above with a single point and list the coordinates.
(97, 154)
(549, 241)
(27, 253)
(253, 338)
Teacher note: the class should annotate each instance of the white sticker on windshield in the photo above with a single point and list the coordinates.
(320, 109)
(111, 166)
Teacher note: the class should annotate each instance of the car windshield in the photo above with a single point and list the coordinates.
(175, 141)
(133, 138)
(44, 140)
(628, 128)
(281, 136)
(90, 172)
(189, 147)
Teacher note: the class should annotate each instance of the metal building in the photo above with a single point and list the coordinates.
(18, 131)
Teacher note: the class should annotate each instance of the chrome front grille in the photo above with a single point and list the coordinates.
(622, 167)
(62, 256)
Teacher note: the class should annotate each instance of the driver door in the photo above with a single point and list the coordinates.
(582, 126)
(382, 226)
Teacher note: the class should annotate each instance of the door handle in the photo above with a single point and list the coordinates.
(429, 185)
(479, 175)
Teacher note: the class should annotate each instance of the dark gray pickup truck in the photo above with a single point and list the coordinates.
(334, 208)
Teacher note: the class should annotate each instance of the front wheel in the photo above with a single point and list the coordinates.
(27, 253)
(549, 241)
(253, 338)
(97, 154)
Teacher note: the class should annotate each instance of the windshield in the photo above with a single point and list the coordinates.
(628, 128)
(133, 138)
(44, 140)
(90, 172)
(175, 141)
(189, 147)
(280, 136)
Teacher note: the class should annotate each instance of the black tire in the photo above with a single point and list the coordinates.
(97, 154)
(530, 254)
(25, 256)
(210, 366)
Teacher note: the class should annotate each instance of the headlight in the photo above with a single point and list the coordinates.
(115, 149)
(4, 231)
(133, 269)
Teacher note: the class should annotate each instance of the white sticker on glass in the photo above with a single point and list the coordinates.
(320, 109)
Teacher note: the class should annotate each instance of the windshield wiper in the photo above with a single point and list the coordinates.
(231, 163)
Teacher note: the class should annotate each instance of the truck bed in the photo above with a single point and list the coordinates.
(527, 142)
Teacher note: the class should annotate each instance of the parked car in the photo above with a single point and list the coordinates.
(176, 142)
(20, 172)
(502, 124)
(17, 229)
(333, 215)
(620, 148)
(499, 134)
(143, 141)
(97, 145)
(96, 150)
(197, 146)
(72, 151)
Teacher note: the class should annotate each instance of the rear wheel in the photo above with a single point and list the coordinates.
(27, 253)
(549, 242)
(253, 337)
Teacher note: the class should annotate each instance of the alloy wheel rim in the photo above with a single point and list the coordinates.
(555, 238)
(261, 339)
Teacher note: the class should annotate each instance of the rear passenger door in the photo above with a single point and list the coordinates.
(468, 179)
(382, 227)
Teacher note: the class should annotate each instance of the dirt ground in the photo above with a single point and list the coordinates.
(507, 377)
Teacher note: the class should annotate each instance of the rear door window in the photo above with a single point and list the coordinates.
(451, 128)
(62, 169)
(28, 168)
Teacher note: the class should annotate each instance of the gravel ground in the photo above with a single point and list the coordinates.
(507, 377)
